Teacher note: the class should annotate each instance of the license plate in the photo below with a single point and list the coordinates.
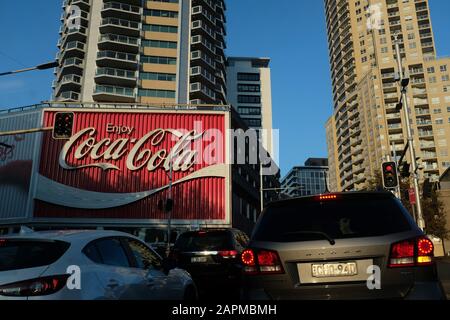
(199, 259)
(327, 270)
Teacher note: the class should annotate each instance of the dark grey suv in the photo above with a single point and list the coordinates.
(339, 246)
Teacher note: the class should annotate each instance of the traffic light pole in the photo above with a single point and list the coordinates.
(412, 152)
(34, 130)
(398, 189)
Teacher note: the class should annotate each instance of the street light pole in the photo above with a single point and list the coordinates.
(261, 184)
(169, 217)
(44, 66)
(420, 220)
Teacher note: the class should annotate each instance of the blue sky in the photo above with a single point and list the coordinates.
(290, 32)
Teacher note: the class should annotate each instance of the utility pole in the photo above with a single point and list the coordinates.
(398, 190)
(404, 82)
(261, 184)
(169, 212)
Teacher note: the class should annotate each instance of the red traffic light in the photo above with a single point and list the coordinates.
(389, 173)
(63, 125)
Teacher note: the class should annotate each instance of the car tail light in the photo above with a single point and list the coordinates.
(413, 252)
(2, 242)
(35, 287)
(231, 254)
(261, 262)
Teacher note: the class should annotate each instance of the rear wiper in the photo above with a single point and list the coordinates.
(323, 234)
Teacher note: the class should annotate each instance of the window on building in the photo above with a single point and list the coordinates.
(253, 122)
(248, 76)
(444, 68)
(160, 13)
(249, 88)
(430, 70)
(157, 76)
(157, 93)
(159, 44)
(159, 28)
(249, 99)
(249, 111)
(158, 60)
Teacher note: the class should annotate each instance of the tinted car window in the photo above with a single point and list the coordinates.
(112, 252)
(297, 220)
(91, 251)
(204, 241)
(23, 254)
(145, 258)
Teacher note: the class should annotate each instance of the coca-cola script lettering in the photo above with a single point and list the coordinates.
(84, 144)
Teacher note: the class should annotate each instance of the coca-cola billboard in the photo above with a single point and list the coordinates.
(117, 166)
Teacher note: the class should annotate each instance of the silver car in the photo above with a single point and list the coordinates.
(339, 246)
(86, 265)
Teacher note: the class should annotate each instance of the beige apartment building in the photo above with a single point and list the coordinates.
(366, 128)
(165, 51)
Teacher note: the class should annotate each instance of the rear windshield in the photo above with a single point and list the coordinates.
(209, 241)
(307, 220)
(24, 254)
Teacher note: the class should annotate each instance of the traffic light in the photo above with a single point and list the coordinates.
(427, 189)
(405, 171)
(390, 177)
(63, 125)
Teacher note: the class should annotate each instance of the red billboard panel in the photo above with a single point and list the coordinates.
(117, 165)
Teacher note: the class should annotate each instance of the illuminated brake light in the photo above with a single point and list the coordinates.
(409, 253)
(261, 262)
(228, 254)
(402, 254)
(425, 251)
(269, 262)
(328, 197)
(248, 258)
(2, 242)
(425, 246)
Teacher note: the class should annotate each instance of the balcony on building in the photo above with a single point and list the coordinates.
(70, 82)
(122, 11)
(198, 57)
(118, 77)
(74, 49)
(199, 90)
(82, 4)
(200, 74)
(119, 60)
(107, 93)
(68, 96)
(120, 43)
(71, 66)
(120, 26)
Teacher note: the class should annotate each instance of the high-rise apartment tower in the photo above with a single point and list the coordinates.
(166, 51)
(366, 127)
